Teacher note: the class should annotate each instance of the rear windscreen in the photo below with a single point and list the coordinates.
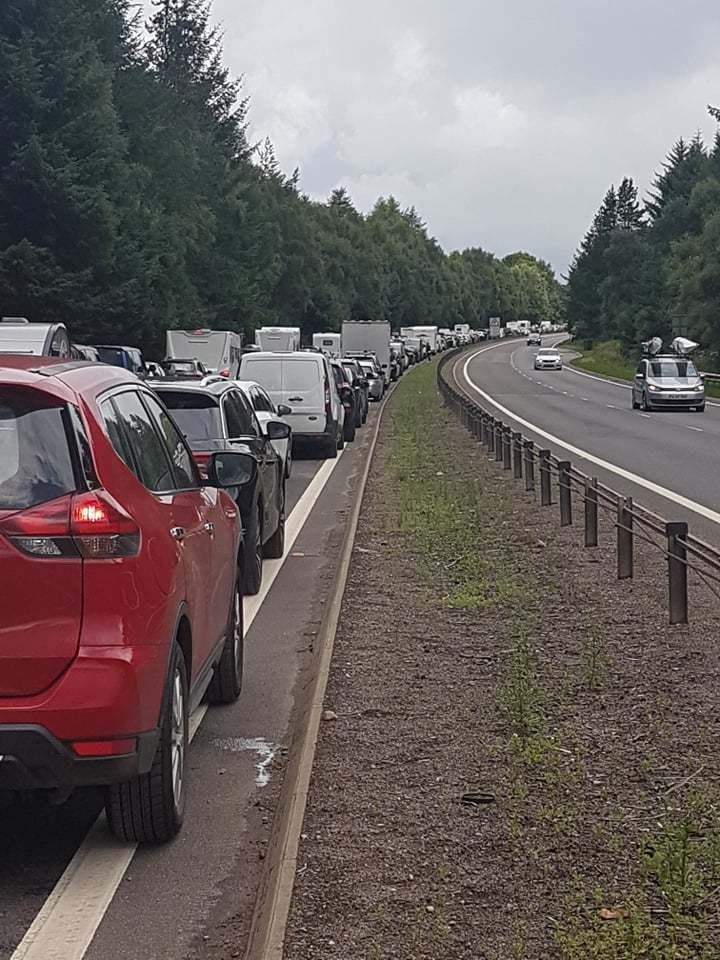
(300, 375)
(35, 462)
(197, 414)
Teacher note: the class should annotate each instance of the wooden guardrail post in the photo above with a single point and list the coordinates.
(625, 538)
(677, 572)
(529, 466)
(566, 517)
(591, 512)
(517, 456)
(545, 480)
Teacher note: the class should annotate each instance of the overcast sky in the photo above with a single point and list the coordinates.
(503, 122)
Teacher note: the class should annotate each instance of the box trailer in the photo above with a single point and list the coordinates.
(218, 350)
(329, 343)
(361, 337)
(278, 339)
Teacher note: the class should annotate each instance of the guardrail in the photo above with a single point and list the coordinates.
(559, 481)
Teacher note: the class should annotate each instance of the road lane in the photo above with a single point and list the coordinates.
(223, 829)
(676, 450)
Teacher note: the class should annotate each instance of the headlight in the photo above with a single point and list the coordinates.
(653, 388)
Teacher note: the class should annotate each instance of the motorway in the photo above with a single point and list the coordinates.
(666, 461)
(69, 891)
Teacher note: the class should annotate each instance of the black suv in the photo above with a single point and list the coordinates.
(215, 415)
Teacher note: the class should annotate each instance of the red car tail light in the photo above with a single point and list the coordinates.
(101, 529)
(104, 748)
(91, 525)
(328, 399)
(202, 460)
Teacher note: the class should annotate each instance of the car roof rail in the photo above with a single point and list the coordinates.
(212, 378)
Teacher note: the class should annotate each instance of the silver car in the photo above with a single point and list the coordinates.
(548, 358)
(374, 378)
(668, 382)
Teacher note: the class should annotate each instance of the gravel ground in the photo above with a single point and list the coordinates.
(521, 768)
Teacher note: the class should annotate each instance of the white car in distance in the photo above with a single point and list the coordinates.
(266, 410)
(548, 358)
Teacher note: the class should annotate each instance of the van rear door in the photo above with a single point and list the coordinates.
(303, 390)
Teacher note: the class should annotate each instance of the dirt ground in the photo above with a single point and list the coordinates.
(524, 762)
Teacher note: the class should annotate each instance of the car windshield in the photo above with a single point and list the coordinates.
(197, 414)
(547, 353)
(35, 463)
(368, 370)
(672, 368)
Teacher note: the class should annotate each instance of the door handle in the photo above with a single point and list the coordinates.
(209, 528)
(177, 533)
(295, 399)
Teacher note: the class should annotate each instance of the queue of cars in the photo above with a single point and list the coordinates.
(135, 514)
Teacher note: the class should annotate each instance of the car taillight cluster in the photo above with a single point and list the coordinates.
(90, 525)
(328, 399)
(202, 460)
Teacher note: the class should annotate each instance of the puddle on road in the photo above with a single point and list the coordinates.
(266, 751)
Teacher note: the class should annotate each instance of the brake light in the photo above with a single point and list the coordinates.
(225, 372)
(91, 525)
(202, 460)
(328, 399)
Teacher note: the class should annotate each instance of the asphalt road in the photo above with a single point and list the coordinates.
(677, 451)
(84, 895)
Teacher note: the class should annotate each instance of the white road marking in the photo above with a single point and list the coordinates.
(68, 920)
(655, 488)
(585, 399)
(646, 416)
(696, 429)
(611, 406)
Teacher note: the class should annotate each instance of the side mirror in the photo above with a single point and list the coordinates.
(277, 430)
(230, 469)
(283, 410)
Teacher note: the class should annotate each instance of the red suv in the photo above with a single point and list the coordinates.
(121, 602)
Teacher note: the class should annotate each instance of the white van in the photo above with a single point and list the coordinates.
(304, 382)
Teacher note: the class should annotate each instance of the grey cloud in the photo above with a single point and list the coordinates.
(503, 123)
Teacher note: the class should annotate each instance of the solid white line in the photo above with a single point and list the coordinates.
(696, 429)
(646, 416)
(655, 488)
(68, 920)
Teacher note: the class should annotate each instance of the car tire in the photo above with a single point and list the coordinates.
(150, 808)
(275, 546)
(226, 684)
(349, 431)
(288, 464)
(329, 447)
(253, 553)
(635, 404)
(700, 409)
(644, 404)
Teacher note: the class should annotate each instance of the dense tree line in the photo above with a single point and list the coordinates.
(652, 267)
(132, 201)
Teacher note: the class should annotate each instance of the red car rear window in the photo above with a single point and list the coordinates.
(35, 461)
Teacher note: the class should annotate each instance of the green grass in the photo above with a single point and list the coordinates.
(607, 360)
(433, 502)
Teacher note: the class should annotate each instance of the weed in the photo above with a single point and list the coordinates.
(520, 692)
(594, 659)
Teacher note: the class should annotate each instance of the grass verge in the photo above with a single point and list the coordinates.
(607, 360)
(436, 503)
